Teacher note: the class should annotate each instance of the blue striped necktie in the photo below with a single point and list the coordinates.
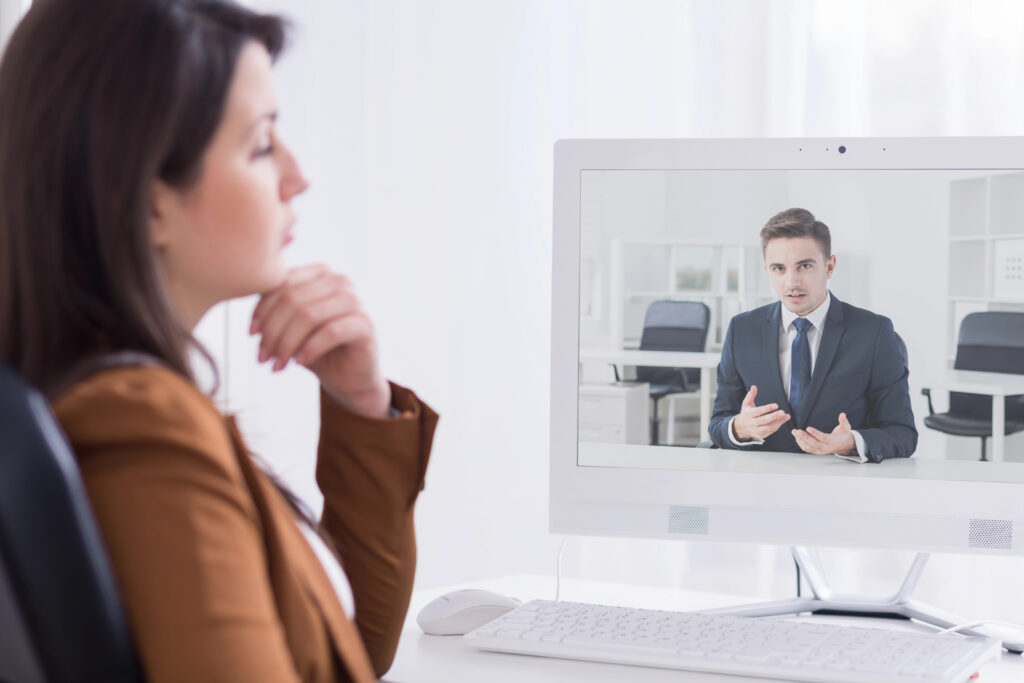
(799, 365)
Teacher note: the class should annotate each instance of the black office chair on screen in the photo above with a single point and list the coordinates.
(671, 326)
(59, 607)
(990, 341)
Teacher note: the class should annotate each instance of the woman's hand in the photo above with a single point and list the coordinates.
(315, 318)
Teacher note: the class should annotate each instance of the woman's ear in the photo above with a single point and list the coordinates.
(162, 204)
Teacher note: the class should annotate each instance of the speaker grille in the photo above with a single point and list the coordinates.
(991, 533)
(688, 519)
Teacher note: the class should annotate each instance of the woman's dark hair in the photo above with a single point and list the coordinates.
(98, 100)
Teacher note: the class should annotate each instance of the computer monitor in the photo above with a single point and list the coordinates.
(925, 232)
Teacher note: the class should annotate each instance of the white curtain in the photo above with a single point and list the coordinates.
(792, 67)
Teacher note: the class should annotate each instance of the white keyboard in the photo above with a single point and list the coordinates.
(768, 648)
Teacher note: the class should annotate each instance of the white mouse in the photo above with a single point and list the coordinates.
(461, 611)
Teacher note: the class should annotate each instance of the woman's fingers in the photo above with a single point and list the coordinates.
(294, 278)
(297, 308)
(305, 321)
(316, 318)
(340, 331)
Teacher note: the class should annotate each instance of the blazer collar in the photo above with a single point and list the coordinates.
(302, 568)
(770, 344)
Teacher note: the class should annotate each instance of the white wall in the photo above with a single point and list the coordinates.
(10, 13)
(427, 129)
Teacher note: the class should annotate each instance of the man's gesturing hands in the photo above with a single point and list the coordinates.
(840, 441)
(760, 422)
(757, 422)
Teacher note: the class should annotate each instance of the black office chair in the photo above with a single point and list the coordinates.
(991, 341)
(671, 326)
(60, 590)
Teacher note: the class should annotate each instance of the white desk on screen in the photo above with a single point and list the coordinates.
(422, 658)
(998, 385)
(666, 359)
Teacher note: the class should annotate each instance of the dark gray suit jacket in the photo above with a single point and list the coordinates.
(860, 369)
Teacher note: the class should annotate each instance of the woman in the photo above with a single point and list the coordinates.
(141, 182)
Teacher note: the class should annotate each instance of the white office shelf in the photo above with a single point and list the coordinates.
(985, 238)
(986, 248)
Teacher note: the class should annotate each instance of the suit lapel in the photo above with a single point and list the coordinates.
(830, 337)
(770, 343)
(295, 567)
(348, 643)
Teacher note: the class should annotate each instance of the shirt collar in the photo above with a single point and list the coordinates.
(816, 317)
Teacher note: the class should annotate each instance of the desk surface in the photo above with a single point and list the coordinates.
(974, 382)
(423, 658)
(919, 467)
(682, 359)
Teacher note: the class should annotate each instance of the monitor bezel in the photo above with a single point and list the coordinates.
(912, 514)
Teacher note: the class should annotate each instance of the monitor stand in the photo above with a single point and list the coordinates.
(823, 601)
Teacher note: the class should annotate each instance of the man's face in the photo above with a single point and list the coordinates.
(799, 272)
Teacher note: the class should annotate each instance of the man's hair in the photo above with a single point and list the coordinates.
(796, 223)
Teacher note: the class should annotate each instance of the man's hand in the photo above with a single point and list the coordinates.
(315, 318)
(757, 422)
(840, 441)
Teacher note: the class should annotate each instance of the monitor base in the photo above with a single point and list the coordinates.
(823, 601)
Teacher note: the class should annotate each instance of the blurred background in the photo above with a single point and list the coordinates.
(427, 130)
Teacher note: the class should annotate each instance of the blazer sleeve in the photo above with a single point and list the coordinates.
(730, 394)
(181, 530)
(370, 472)
(889, 424)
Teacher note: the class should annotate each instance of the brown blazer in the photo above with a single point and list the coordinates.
(217, 580)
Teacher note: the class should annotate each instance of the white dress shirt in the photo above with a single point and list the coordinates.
(332, 568)
(787, 333)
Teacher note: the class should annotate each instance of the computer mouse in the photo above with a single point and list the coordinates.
(461, 611)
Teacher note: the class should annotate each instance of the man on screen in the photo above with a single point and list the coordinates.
(809, 372)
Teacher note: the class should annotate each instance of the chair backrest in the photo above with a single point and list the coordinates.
(673, 326)
(990, 341)
(52, 555)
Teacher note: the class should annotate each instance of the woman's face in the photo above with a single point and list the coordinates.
(223, 236)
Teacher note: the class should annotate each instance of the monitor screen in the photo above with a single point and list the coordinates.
(669, 271)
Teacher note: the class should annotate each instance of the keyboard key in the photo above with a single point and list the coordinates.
(755, 656)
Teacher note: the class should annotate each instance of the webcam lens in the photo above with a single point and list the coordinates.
(842, 149)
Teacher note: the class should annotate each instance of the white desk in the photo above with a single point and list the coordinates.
(667, 359)
(422, 658)
(998, 385)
